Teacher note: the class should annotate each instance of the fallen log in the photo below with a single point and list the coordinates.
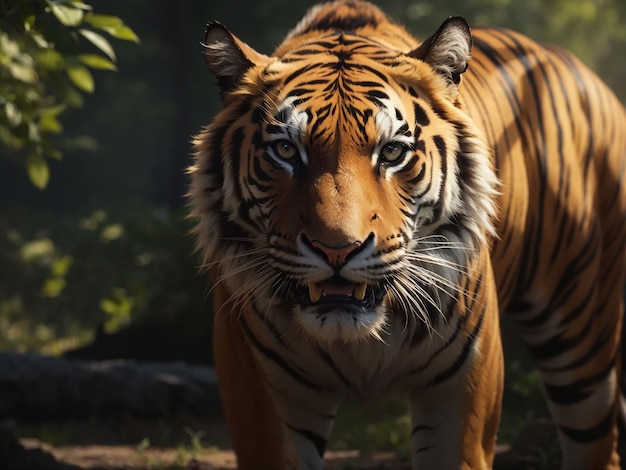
(37, 387)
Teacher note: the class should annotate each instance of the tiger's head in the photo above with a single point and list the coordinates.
(341, 183)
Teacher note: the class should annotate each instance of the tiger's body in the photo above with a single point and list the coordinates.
(365, 215)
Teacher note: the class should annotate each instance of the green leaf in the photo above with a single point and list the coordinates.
(40, 40)
(50, 124)
(53, 153)
(9, 47)
(29, 22)
(38, 171)
(108, 305)
(104, 21)
(23, 72)
(40, 250)
(13, 114)
(50, 59)
(96, 61)
(81, 77)
(99, 41)
(53, 287)
(112, 232)
(122, 32)
(33, 132)
(67, 14)
(62, 265)
(9, 139)
(53, 110)
(81, 5)
(71, 96)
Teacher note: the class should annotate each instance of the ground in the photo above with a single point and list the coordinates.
(133, 444)
(159, 446)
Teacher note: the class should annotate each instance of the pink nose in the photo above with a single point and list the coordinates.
(336, 257)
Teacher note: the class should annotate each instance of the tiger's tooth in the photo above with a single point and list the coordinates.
(315, 292)
(359, 292)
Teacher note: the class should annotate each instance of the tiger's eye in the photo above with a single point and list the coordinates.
(285, 149)
(392, 152)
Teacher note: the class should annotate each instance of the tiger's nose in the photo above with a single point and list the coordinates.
(336, 257)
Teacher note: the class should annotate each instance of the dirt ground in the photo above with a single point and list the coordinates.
(126, 457)
(157, 446)
(141, 445)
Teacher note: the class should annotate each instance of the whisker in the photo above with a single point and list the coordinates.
(432, 278)
(238, 255)
(421, 258)
(249, 266)
(247, 293)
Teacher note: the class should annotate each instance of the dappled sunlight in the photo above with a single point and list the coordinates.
(70, 274)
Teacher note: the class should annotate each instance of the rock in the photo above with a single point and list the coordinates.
(15, 457)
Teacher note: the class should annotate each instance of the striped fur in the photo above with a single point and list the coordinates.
(366, 208)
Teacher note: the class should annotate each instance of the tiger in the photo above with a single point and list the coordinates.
(366, 206)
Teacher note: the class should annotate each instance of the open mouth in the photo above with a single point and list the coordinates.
(341, 292)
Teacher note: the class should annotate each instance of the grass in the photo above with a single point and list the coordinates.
(369, 427)
(184, 452)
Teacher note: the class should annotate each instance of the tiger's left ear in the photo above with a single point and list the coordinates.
(448, 50)
(229, 57)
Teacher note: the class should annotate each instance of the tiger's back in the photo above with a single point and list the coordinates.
(359, 163)
(560, 151)
(558, 138)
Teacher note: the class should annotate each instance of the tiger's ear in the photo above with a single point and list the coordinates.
(448, 50)
(229, 57)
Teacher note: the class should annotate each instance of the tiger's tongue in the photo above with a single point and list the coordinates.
(331, 288)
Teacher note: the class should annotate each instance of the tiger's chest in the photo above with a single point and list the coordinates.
(406, 356)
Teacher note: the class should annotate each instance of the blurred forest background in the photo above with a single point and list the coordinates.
(93, 232)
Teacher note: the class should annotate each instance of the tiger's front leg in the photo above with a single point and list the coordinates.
(255, 427)
(308, 421)
(455, 417)
(279, 417)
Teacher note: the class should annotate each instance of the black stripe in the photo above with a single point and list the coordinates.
(414, 342)
(298, 72)
(350, 22)
(421, 117)
(276, 333)
(329, 361)
(460, 360)
(422, 428)
(599, 343)
(276, 358)
(592, 434)
(318, 441)
(425, 448)
(470, 340)
(443, 153)
(528, 266)
(576, 391)
(584, 100)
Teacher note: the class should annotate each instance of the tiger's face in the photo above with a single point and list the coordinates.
(350, 187)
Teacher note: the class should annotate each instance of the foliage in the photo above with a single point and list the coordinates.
(385, 426)
(76, 273)
(44, 69)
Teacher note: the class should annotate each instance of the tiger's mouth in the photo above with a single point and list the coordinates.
(339, 292)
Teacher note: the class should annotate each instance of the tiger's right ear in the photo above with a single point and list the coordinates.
(228, 57)
(448, 50)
